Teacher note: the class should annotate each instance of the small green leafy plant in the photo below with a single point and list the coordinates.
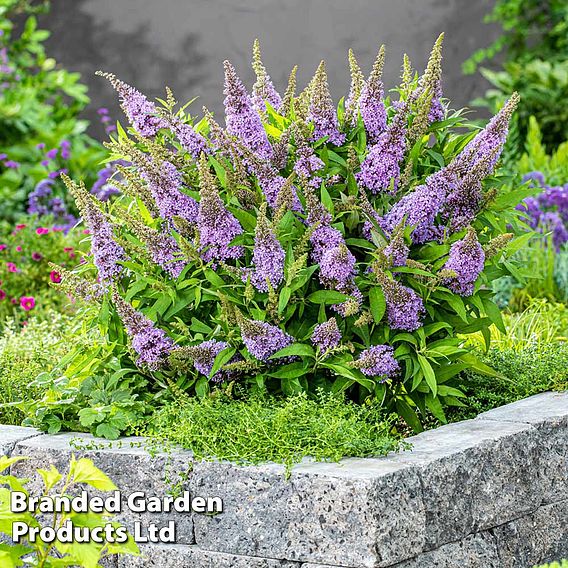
(261, 429)
(44, 552)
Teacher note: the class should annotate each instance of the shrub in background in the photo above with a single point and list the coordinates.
(40, 132)
(545, 258)
(301, 248)
(535, 46)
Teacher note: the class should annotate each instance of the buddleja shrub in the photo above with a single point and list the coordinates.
(302, 247)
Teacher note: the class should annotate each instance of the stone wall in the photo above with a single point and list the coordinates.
(485, 493)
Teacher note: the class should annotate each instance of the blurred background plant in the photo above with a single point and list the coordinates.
(41, 133)
(544, 259)
(26, 275)
(533, 49)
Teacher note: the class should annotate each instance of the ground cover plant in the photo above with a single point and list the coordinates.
(300, 248)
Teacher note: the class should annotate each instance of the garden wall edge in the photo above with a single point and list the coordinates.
(492, 491)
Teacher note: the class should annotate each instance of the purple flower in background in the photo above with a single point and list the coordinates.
(241, 118)
(65, 149)
(262, 339)
(531, 207)
(267, 257)
(467, 260)
(321, 112)
(371, 103)
(102, 188)
(378, 361)
(326, 336)
(141, 113)
(12, 164)
(52, 154)
(150, 343)
(165, 183)
(106, 120)
(551, 221)
(536, 177)
(381, 167)
(217, 226)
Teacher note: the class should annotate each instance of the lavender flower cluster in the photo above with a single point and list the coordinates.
(548, 211)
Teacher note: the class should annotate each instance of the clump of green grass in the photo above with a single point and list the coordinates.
(268, 429)
(538, 368)
(25, 352)
(559, 564)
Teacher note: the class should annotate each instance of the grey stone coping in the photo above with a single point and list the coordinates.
(485, 492)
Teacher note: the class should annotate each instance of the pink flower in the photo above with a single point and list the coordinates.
(2, 295)
(42, 231)
(67, 249)
(36, 256)
(11, 267)
(21, 226)
(55, 277)
(14, 301)
(19, 248)
(86, 232)
(24, 323)
(3, 247)
(27, 303)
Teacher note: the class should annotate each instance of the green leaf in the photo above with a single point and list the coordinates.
(378, 303)
(327, 297)
(435, 406)
(84, 471)
(295, 350)
(222, 359)
(409, 415)
(474, 363)
(429, 374)
(108, 431)
(290, 371)
(494, 314)
(284, 298)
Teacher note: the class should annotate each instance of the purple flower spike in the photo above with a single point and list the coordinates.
(378, 361)
(466, 259)
(150, 343)
(141, 113)
(241, 118)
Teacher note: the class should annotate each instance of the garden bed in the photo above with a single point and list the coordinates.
(488, 492)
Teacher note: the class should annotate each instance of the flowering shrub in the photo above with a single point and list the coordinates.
(26, 274)
(301, 247)
(40, 133)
